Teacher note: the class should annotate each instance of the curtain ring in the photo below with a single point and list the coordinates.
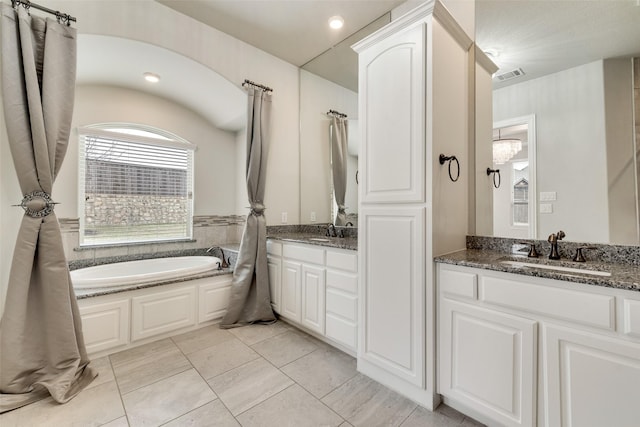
(450, 159)
(495, 172)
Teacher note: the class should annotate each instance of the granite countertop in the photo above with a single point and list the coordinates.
(350, 243)
(623, 276)
(96, 292)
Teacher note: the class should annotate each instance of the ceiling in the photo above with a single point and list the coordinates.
(545, 36)
(539, 36)
(121, 62)
(293, 30)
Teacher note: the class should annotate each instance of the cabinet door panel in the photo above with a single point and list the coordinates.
(291, 291)
(105, 325)
(591, 380)
(213, 299)
(392, 92)
(392, 293)
(162, 312)
(313, 298)
(274, 265)
(488, 362)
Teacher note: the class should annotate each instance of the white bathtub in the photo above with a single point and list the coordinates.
(144, 271)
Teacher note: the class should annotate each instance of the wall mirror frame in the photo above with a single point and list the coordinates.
(583, 89)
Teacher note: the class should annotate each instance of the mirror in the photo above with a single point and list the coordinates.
(329, 82)
(570, 65)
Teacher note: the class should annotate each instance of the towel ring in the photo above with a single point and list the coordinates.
(495, 172)
(450, 159)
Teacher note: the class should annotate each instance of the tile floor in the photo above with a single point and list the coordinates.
(252, 376)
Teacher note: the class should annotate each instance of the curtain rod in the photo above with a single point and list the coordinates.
(61, 17)
(264, 88)
(336, 113)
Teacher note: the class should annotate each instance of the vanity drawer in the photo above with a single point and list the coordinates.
(342, 331)
(588, 309)
(303, 253)
(631, 318)
(274, 248)
(342, 304)
(342, 260)
(343, 281)
(458, 283)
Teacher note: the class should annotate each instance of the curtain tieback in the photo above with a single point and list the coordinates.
(342, 210)
(257, 209)
(37, 204)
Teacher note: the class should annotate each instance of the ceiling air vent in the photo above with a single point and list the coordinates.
(509, 75)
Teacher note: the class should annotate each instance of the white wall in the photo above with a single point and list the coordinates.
(317, 96)
(151, 22)
(214, 164)
(571, 150)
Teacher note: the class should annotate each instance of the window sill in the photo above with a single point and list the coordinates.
(119, 245)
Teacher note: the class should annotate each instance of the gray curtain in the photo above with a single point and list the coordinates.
(42, 348)
(339, 165)
(250, 301)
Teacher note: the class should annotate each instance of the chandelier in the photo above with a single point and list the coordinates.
(505, 149)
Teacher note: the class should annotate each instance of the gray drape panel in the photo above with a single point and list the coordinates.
(41, 345)
(339, 165)
(250, 300)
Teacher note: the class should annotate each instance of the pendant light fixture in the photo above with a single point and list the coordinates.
(505, 149)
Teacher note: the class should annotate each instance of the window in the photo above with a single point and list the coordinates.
(136, 185)
(520, 191)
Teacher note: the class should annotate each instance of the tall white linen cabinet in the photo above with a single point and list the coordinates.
(415, 91)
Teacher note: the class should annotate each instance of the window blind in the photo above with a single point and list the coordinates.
(134, 188)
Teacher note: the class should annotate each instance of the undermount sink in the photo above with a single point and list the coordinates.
(521, 264)
(319, 239)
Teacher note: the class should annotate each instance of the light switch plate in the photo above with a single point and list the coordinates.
(548, 196)
(546, 208)
(284, 217)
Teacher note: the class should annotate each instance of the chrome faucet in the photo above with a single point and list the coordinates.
(331, 231)
(553, 239)
(224, 263)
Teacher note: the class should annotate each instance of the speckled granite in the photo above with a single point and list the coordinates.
(614, 254)
(89, 293)
(319, 230)
(76, 264)
(350, 243)
(623, 276)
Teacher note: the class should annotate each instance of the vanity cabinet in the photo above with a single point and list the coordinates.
(318, 289)
(274, 267)
(414, 96)
(125, 319)
(524, 351)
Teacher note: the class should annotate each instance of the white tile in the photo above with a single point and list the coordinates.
(321, 371)
(292, 407)
(139, 372)
(167, 399)
(285, 348)
(364, 402)
(213, 414)
(252, 334)
(105, 373)
(421, 417)
(91, 407)
(120, 422)
(201, 338)
(222, 357)
(248, 385)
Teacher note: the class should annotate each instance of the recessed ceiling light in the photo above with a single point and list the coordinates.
(151, 77)
(336, 22)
